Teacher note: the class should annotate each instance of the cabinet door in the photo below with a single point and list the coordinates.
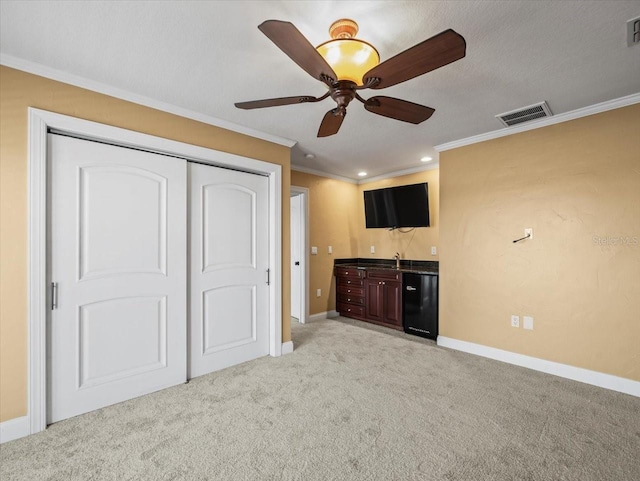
(374, 300)
(392, 302)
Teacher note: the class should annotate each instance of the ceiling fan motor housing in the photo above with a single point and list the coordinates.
(343, 92)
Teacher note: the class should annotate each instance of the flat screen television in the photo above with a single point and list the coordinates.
(394, 207)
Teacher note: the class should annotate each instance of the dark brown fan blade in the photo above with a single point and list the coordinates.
(259, 104)
(436, 52)
(289, 39)
(398, 109)
(331, 123)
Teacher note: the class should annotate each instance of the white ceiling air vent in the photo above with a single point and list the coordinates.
(633, 32)
(525, 114)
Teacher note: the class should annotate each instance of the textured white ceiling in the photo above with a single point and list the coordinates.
(206, 55)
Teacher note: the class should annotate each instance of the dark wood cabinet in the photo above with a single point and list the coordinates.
(383, 298)
(350, 295)
(374, 299)
(393, 303)
(370, 295)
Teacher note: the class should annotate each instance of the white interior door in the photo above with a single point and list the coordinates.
(229, 247)
(118, 244)
(296, 271)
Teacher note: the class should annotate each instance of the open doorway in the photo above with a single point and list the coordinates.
(299, 265)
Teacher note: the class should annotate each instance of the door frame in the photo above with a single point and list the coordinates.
(303, 192)
(38, 279)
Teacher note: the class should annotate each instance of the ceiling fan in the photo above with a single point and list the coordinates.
(346, 65)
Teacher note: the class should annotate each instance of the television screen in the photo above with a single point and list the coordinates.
(379, 209)
(393, 207)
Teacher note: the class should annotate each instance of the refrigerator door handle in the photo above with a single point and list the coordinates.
(411, 288)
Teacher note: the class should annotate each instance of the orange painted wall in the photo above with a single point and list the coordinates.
(336, 218)
(577, 184)
(333, 221)
(412, 244)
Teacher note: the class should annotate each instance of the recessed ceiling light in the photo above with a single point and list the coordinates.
(426, 159)
(309, 156)
(362, 174)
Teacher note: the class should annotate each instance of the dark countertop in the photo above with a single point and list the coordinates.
(408, 266)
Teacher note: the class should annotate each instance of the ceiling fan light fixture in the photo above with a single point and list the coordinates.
(341, 63)
(349, 58)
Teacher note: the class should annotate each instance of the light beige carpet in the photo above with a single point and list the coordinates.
(351, 403)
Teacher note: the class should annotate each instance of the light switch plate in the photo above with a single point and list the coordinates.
(515, 321)
(373, 249)
(330, 250)
(318, 292)
(527, 322)
(314, 250)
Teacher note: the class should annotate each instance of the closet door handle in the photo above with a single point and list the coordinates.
(54, 295)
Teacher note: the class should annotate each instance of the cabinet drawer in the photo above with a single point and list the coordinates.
(350, 290)
(385, 275)
(350, 272)
(350, 310)
(349, 299)
(349, 282)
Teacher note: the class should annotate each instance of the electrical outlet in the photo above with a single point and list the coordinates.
(527, 322)
(330, 250)
(434, 251)
(318, 292)
(373, 249)
(529, 232)
(314, 250)
(515, 321)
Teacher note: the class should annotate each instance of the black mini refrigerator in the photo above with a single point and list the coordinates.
(420, 303)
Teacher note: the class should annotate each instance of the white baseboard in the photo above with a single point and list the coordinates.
(287, 347)
(322, 315)
(607, 381)
(14, 429)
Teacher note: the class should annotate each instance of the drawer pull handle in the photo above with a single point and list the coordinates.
(348, 290)
(348, 300)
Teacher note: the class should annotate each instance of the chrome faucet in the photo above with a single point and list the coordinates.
(397, 258)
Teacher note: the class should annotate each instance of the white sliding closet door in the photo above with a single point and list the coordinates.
(229, 295)
(118, 241)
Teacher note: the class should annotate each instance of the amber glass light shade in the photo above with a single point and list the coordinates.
(349, 58)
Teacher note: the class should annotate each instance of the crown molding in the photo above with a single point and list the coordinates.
(433, 165)
(389, 175)
(319, 173)
(85, 83)
(556, 119)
